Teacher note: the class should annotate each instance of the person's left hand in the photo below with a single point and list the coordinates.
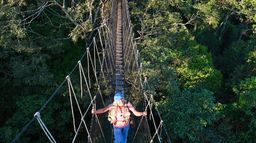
(144, 113)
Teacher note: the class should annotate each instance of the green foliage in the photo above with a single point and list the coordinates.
(247, 92)
(22, 69)
(192, 52)
(196, 70)
(78, 31)
(191, 112)
(36, 53)
(195, 54)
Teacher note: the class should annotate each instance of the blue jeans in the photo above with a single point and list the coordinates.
(120, 134)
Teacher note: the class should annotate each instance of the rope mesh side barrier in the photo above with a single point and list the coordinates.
(71, 91)
(82, 120)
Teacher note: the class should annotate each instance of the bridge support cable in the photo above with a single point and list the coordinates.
(23, 130)
(44, 128)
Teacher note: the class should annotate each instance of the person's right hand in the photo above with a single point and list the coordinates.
(93, 111)
(144, 113)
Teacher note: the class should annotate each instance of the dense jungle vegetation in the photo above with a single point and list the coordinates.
(199, 57)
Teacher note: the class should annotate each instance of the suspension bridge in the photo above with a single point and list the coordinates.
(110, 64)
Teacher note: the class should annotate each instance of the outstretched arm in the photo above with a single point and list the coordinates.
(101, 110)
(134, 111)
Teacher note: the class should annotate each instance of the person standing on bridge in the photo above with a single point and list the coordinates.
(119, 116)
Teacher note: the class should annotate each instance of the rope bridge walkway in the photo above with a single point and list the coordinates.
(111, 61)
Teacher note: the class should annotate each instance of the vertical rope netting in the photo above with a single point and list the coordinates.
(111, 49)
(150, 105)
(138, 70)
(110, 37)
(96, 78)
(145, 83)
(156, 133)
(136, 56)
(71, 103)
(168, 137)
(82, 76)
(127, 46)
(104, 48)
(94, 54)
(81, 71)
(81, 79)
(140, 123)
(44, 128)
(88, 67)
(98, 121)
(152, 117)
(71, 91)
(127, 50)
(82, 120)
(103, 52)
(128, 37)
(104, 62)
(107, 47)
(130, 52)
(100, 60)
(76, 130)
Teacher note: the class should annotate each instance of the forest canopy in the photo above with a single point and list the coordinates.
(199, 57)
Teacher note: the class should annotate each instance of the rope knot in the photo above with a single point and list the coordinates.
(67, 77)
(37, 115)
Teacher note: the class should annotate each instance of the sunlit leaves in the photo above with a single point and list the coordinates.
(209, 13)
(247, 92)
(78, 12)
(197, 70)
(16, 2)
(80, 30)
